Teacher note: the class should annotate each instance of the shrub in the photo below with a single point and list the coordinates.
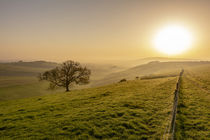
(122, 80)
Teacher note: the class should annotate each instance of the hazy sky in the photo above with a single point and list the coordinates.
(88, 30)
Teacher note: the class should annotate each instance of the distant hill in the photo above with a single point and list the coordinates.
(15, 77)
(99, 71)
(33, 68)
(151, 68)
(35, 64)
(25, 68)
(146, 60)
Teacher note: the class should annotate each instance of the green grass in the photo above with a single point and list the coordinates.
(193, 118)
(137, 109)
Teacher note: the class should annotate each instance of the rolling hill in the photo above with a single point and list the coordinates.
(137, 62)
(150, 69)
(137, 109)
(25, 68)
(33, 68)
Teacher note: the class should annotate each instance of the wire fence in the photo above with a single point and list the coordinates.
(169, 132)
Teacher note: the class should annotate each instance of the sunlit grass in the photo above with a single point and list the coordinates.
(131, 110)
(193, 120)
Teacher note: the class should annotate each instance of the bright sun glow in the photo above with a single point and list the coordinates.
(173, 40)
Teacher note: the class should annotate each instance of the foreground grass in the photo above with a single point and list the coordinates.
(131, 110)
(193, 119)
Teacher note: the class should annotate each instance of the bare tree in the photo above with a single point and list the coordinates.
(66, 75)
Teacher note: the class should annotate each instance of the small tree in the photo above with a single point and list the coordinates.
(66, 75)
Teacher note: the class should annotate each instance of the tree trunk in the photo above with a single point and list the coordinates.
(67, 88)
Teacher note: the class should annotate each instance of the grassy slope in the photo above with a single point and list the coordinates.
(130, 110)
(193, 120)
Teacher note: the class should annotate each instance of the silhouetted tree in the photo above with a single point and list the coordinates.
(66, 75)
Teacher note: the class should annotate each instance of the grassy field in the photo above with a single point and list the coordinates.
(137, 109)
(193, 120)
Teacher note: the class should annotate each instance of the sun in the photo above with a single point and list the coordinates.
(173, 40)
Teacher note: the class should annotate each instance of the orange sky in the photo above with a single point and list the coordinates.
(97, 29)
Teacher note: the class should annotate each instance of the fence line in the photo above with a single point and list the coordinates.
(170, 129)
